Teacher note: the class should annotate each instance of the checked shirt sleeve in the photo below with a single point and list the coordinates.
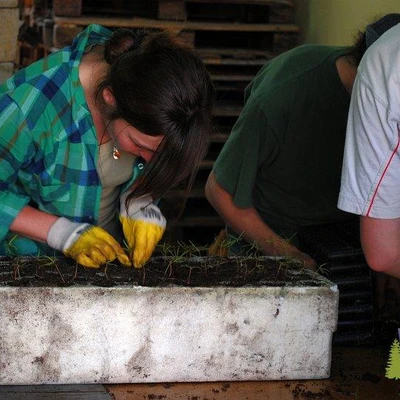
(16, 149)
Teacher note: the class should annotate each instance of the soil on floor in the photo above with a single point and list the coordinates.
(159, 271)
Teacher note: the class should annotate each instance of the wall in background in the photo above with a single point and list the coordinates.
(9, 16)
(337, 22)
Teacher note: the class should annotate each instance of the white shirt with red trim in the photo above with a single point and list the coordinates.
(371, 167)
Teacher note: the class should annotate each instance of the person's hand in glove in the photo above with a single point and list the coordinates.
(143, 225)
(91, 246)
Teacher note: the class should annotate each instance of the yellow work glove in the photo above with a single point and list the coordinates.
(143, 225)
(91, 246)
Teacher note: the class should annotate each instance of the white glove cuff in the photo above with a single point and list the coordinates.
(142, 209)
(135, 206)
(64, 233)
(151, 214)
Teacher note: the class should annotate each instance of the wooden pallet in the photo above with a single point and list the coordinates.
(228, 36)
(256, 11)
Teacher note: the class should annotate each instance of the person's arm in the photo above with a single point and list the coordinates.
(380, 239)
(90, 246)
(247, 222)
(33, 223)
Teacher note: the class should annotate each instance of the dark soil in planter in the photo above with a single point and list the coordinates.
(159, 271)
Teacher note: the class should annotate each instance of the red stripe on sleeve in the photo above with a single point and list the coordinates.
(384, 172)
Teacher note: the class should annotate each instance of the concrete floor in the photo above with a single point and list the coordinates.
(357, 373)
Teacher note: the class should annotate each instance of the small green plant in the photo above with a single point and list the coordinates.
(322, 269)
(107, 265)
(10, 248)
(230, 240)
(182, 250)
(16, 268)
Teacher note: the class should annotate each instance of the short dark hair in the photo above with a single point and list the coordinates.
(371, 33)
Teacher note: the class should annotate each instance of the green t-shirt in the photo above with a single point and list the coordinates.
(284, 154)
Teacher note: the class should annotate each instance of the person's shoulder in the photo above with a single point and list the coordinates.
(97, 29)
(311, 48)
(93, 34)
(385, 48)
(316, 51)
(304, 57)
(381, 63)
(300, 60)
(287, 73)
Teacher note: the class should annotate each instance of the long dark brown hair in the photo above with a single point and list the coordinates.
(161, 87)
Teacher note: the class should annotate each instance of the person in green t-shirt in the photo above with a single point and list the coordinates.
(91, 135)
(280, 168)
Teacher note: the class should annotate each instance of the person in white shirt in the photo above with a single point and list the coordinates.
(370, 184)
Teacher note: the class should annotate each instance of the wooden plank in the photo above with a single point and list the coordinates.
(192, 33)
(288, 3)
(8, 3)
(54, 392)
(172, 9)
(231, 77)
(227, 110)
(53, 388)
(177, 26)
(219, 137)
(207, 164)
(282, 15)
(55, 396)
(241, 11)
(166, 9)
(240, 54)
(121, 8)
(234, 62)
(70, 8)
(157, 9)
(187, 37)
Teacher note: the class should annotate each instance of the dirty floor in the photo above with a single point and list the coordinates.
(357, 373)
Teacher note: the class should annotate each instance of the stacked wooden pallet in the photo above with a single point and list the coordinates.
(267, 11)
(234, 37)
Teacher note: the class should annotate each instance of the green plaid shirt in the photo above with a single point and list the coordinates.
(48, 142)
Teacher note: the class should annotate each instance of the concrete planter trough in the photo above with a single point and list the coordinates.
(226, 320)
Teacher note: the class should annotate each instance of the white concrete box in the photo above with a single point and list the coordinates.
(258, 319)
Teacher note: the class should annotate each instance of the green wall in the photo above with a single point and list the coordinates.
(337, 22)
